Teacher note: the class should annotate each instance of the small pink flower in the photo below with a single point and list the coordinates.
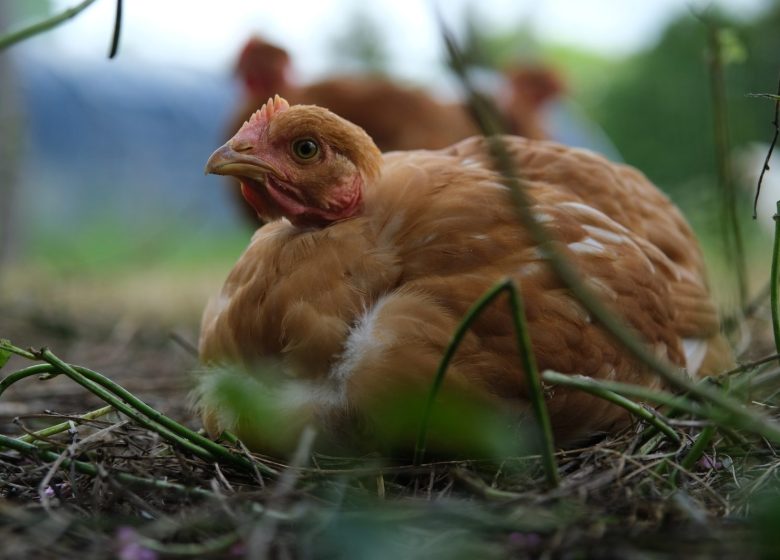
(238, 549)
(130, 548)
(59, 489)
(525, 541)
(708, 463)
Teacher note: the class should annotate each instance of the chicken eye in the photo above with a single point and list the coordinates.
(305, 148)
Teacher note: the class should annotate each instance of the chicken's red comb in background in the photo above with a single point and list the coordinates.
(267, 111)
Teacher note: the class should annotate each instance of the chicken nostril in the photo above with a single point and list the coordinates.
(241, 148)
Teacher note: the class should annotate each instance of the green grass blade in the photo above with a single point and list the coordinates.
(40, 369)
(536, 394)
(50, 23)
(131, 406)
(595, 389)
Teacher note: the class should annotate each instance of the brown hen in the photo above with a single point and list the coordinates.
(370, 262)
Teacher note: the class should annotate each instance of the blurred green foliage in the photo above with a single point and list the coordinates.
(268, 411)
(657, 108)
(656, 105)
(482, 46)
(765, 521)
(360, 46)
(106, 246)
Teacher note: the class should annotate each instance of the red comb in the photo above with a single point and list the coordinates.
(267, 111)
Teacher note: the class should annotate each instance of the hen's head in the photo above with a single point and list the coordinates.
(299, 162)
(534, 86)
(263, 67)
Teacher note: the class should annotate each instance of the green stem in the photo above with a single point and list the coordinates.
(167, 427)
(592, 387)
(131, 412)
(695, 453)
(107, 389)
(774, 287)
(5, 344)
(64, 426)
(213, 448)
(732, 234)
(9, 380)
(528, 361)
(589, 384)
(91, 470)
(677, 402)
(27, 32)
(199, 550)
(535, 389)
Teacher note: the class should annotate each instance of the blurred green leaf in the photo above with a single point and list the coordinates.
(656, 107)
(268, 410)
(361, 45)
(732, 48)
(5, 355)
(765, 520)
(459, 426)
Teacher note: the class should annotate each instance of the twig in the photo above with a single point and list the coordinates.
(774, 298)
(27, 32)
(536, 393)
(91, 470)
(776, 124)
(750, 365)
(63, 426)
(185, 344)
(476, 484)
(772, 96)
(262, 536)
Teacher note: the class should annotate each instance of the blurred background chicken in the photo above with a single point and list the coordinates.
(370, 262)
(412, 119)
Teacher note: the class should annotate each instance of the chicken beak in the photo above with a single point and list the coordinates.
(222, 156)
(233, 160)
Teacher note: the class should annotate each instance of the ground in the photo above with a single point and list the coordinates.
(624, 496)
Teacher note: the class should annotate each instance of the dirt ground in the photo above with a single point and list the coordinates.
(153, 362)
(613, 502)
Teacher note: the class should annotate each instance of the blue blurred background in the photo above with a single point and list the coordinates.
(104, 201)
